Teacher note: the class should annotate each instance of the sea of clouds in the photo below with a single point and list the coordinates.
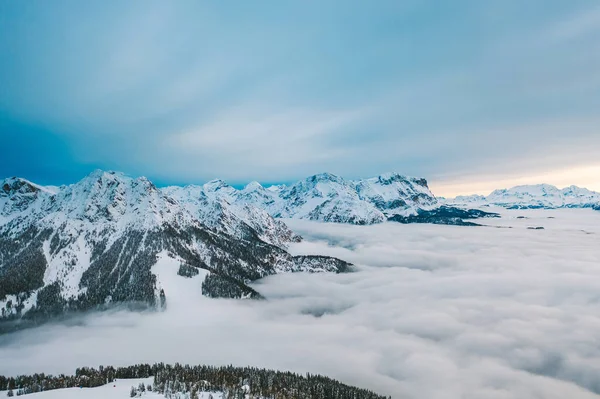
(430, 312)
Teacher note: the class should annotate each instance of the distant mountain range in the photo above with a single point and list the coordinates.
(330, 198)
(539, 196)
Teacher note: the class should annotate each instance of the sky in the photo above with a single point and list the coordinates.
(471, 95)
(437, 312)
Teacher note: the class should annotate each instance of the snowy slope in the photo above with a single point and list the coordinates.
(533, 197)
(95, 242)
(214, 209)
(119, 389)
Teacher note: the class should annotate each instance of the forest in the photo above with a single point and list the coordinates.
(171, 380)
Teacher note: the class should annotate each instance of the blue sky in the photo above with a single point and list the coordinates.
(472, 95)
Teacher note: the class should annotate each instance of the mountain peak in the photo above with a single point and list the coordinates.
(105, 174)
(253, 185)
(325, 176)
(275, 188)
(215, 185)
(13, 185)
(391, 176)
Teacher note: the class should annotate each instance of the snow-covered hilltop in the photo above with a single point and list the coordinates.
(328, 198)
(96, 242)
(180, 382)
(533, 197)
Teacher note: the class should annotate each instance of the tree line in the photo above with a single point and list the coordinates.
(173, 380)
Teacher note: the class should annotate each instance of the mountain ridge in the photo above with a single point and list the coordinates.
(328, 197)
(534, 196)
(94, 243)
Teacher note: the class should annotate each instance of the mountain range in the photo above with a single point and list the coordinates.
(539, 196)
(95, 243)
(98, 242)
(328, 198)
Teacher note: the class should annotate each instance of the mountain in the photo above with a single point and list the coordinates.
(95, 243)
(238, 219)
(330, 198)
(394, 194)
(327, 197)
(17, 195)
(540, 196)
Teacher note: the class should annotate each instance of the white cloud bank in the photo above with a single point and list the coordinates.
(432, 312)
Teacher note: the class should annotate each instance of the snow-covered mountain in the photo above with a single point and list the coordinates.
(326, 197)
(330, 198)
(533, 197)
(394, 194)
(221, 213)
(95, 242)
(17, 195)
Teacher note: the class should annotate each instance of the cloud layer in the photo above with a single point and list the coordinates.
(432, 311)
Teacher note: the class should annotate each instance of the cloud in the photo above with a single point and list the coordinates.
(185, 92)
(262, 139)
(581, 24)
(432, 311)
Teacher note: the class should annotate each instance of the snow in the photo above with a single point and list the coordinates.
(27, 303)
(107, 206)
(119, 389)
(219, 210)
(67, 266)
(322, 197)
(253, 185)
(388, 188)
(19, 197)
(533, 196)
(178, 290)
